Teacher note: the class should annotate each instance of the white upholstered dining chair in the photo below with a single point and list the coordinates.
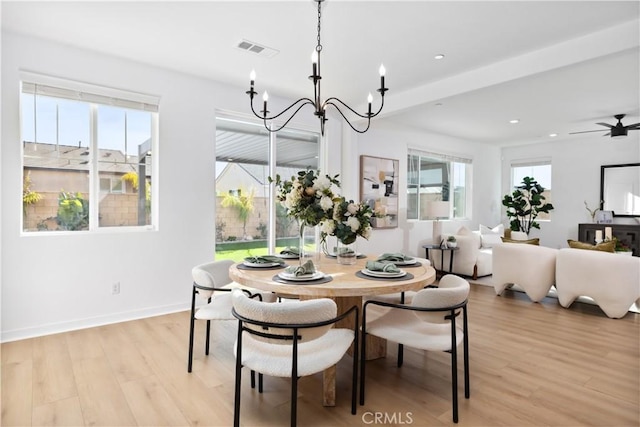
(212, 283)
(428, 323)
(291, 340)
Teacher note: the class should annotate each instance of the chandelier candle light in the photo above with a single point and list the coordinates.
(318, 104)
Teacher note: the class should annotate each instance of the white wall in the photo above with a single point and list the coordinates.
(386, 139)
(575, 177)
(52, 283)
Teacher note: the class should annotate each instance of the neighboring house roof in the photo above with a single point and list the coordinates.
(52, 156)
(237, 175)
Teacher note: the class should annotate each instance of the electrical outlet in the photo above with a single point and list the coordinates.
(115, 288)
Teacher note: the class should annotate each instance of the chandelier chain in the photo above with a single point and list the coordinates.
(319, 46)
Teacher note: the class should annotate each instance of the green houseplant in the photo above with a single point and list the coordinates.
(525, 204)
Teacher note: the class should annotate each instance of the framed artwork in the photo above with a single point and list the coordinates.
(379, 179)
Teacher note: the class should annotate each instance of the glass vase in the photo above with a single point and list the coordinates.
(346, 253)
(308, 250)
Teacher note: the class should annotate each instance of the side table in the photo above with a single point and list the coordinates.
(443, 250)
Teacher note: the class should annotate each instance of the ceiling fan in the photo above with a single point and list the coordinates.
(616, 131)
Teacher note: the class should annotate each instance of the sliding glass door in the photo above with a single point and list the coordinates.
(248, 221)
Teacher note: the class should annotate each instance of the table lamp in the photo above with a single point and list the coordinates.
(436, 210)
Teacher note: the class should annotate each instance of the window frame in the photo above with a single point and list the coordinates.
(94, 95)
(451, 161)
(531, 162)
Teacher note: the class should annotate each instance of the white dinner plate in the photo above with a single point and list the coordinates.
(288, 256)
(260, 264)
(304, 278)
(383, 274)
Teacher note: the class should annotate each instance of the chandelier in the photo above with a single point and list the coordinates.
(318, 104)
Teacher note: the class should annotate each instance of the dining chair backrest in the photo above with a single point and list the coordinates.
(258, 313)
(212, 274)
(452, 290)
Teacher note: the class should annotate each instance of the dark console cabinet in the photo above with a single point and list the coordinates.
(626, 233)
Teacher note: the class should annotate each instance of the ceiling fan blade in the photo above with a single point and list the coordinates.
(633, 126)
(607, 134)
(586, 131)
(605, 124)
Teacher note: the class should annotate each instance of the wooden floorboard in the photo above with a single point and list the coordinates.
(532, 364)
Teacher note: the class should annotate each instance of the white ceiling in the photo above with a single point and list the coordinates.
(558, 66)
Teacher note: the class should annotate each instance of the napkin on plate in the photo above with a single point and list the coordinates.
(301, 270)
(264, 259)
(394, 257)
(387, 267)
(290, 251)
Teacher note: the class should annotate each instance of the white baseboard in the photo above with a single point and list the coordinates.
(73, 325)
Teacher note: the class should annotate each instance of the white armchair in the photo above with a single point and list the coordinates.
(611, 280)
(469, 260)
(530, 267)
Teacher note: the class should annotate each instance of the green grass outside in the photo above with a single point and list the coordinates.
(238, 255)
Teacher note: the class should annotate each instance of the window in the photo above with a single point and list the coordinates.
(86, 156)
(243, 207)
(540, 170)
(435, 177)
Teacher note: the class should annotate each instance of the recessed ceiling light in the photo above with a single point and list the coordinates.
(439, 56)
(553, 135)
(514, 121)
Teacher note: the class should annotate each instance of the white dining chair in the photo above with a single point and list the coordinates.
(428, 323)
(291, 340)
(211, 282)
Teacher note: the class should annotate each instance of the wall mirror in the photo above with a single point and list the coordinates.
(620, 189)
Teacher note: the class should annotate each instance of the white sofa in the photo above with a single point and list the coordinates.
(530, 267)
(611, 280)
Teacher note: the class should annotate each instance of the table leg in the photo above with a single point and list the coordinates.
(329, 386)
(376, 347)
(451, 262)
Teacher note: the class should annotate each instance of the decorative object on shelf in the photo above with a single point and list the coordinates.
(604, 217)
(437, 209)
(348, 221)
(451, 242)
(308, 198)
(592, 212)
(525, 204)
(379, 179)
(621, 247)
(598, 236)
(317, 102)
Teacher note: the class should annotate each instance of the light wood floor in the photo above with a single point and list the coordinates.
(531, 365)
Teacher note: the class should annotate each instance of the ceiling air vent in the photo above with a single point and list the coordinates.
(256, 48)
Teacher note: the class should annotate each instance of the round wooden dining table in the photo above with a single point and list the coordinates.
(347, 287)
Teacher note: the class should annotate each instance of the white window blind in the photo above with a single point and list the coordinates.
(55, 87)
(439, 156)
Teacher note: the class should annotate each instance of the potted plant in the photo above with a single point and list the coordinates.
(452, 242)
(525, 204)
